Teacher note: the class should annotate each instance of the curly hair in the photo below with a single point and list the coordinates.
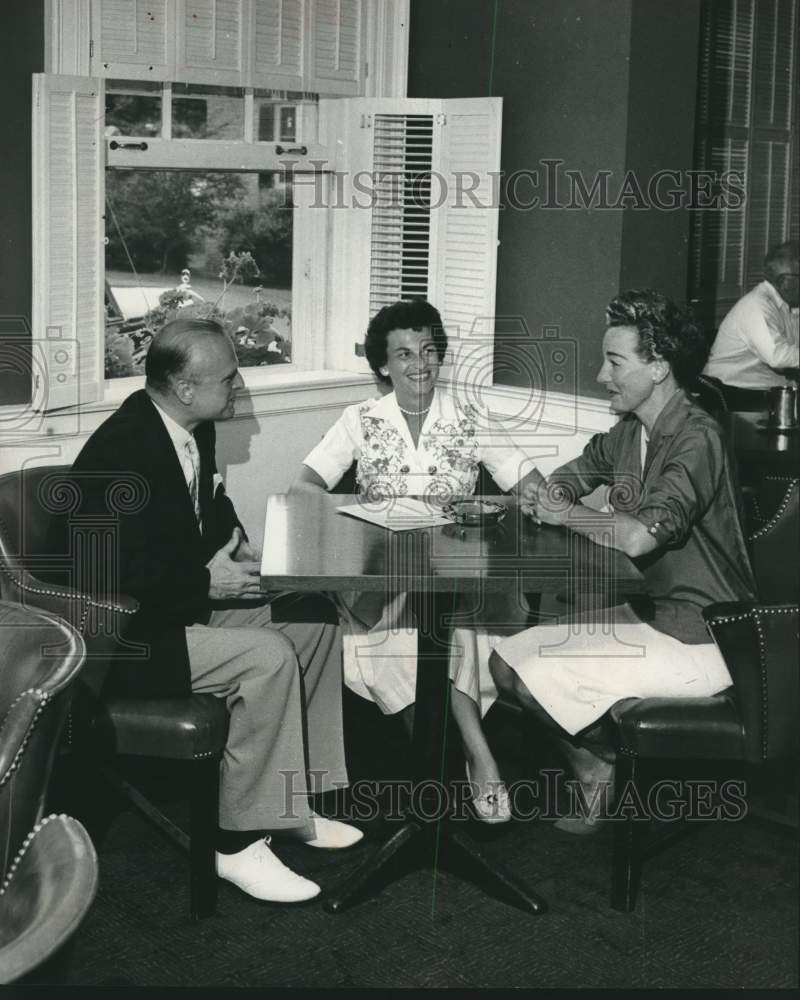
(665, 331)
(407, 314)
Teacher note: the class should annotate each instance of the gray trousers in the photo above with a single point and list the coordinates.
(283, 688)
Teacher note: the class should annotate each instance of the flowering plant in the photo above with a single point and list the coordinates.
(255, 339)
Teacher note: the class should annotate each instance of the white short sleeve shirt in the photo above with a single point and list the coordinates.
(454, 438)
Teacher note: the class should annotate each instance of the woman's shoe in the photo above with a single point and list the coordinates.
(491, 807)
(590, 815)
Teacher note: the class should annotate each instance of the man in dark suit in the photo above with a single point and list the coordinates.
(183, 554)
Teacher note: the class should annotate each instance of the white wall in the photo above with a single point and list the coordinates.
(260, 450)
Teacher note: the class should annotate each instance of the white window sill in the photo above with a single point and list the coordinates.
(296, 391)
(282, 392)
(259, 388)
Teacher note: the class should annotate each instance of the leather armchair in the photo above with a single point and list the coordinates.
(192, 729)
(753, 723)
(707, 390)
(48, 867)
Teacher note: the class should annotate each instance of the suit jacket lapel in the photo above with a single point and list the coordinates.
(205, 445)
(167, 470)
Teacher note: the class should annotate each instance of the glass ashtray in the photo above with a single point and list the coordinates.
(475, 512)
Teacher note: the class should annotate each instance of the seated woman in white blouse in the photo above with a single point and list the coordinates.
(419, 441)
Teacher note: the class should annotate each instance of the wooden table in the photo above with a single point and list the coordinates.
(760, 451)
(309, 546)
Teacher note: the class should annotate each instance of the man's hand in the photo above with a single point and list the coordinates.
(245, 551)
(231, 578)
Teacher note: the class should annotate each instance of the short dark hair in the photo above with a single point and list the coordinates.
(407, 314)
(170, 352)
(665, 331)
(783, 256)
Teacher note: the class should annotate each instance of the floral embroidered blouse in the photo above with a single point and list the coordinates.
(454, 438)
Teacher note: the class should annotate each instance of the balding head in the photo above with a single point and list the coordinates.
(192, 371)
(175, 349)
(781, 271)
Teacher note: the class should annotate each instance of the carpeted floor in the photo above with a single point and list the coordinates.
(719, 909)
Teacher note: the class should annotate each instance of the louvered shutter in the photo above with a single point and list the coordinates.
(278, 37)
(746, 122)
(210, 42)
(133, 39)
(380, 225)
(773, 96)
(337, 46)
(464, 262)
(413, 216)
(400, 227)
(68, 232)
(718, 247)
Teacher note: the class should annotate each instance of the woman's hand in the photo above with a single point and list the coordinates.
(546, 503)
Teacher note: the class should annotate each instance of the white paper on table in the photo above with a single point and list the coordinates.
(401, 514)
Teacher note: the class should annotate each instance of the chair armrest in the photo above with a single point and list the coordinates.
(47, 890)
(65, 602)
(18, 724)
(102, 620)
(759, 643)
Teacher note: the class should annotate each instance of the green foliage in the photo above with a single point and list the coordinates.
(265, 230)
(159, 213)
(119, 360)
(238, 267)
(249, 327)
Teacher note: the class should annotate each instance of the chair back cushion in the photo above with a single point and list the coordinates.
(760, 646)
(707, 390)
(773, 551)
(40, 656)
(28, 499)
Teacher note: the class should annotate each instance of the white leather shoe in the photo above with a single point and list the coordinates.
(329, 834)
(259, 873)
(490, 807)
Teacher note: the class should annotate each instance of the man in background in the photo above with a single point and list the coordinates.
(758, 339)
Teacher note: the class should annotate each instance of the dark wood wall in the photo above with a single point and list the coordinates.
(21, 54)
(597, 86)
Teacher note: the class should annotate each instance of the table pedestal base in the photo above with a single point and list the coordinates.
(413, 841)
(435, 839)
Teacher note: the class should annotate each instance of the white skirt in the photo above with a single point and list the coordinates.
(577, 671)
(380, 659)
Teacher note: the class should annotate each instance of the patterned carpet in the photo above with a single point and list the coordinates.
(717, 910)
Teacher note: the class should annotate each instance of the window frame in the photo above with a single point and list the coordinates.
(309, 233)
(69, 49)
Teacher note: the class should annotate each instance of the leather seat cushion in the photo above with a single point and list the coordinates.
(707, 728)
(175, 728)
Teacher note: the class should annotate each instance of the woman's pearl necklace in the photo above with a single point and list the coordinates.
(413, 413)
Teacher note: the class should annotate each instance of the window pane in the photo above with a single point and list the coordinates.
(200, 112)
(278, 116)
(266, 121)
(133, 108)
(288, 124)
(209, 244)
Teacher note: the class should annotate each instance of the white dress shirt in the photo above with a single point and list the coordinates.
(759, 335)
(186, 449)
